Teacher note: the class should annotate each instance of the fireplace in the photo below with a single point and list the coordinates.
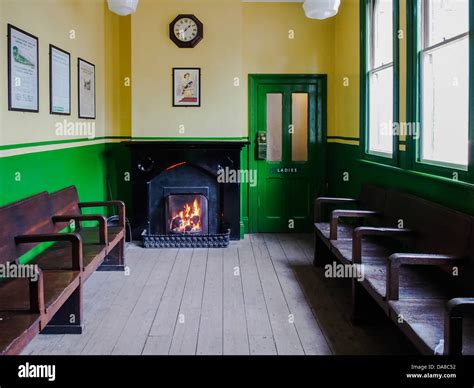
(177, 200)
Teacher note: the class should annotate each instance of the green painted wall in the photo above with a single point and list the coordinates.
(29, 174)
(345, 158)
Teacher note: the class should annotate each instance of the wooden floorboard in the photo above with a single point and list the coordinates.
(162, 329)
(110, 328)
(282, 319)
(186, 330)
(260, 296)
(135, 333)
(235, 341)
(210, 338)
(261, 340)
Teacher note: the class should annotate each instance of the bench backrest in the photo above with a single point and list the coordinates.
(31, 215)
(64, 202)
(438, 229)
(466, 272)
(372, 197)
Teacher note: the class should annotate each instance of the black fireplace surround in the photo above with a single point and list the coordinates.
(165, 169)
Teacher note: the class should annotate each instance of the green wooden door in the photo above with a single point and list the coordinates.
(286, 149)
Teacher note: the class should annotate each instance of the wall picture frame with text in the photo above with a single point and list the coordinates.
(86, 89)
(23, 70)
(59, 81)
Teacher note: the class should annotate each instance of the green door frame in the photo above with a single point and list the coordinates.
(320, 80)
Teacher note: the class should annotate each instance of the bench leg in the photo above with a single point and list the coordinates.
(322, 254)
(115, 260)
(364, 308)
(68, 319)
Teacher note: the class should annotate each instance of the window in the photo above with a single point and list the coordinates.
(380, 78)
(444, 83)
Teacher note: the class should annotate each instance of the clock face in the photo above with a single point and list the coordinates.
(186, 29)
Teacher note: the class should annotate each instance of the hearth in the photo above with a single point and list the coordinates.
(177, 199)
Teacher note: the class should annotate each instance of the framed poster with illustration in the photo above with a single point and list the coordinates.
(59, 81)
(187, 87)
(23, 73)
(86, 89)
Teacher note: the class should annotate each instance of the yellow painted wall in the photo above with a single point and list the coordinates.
(118, 73)
(347, 64)
(51, 21)
(87, 19)
(346, 60)
(154, 55)
(240, 39)
(267, 47)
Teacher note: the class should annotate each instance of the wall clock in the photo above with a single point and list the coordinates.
(186, 31)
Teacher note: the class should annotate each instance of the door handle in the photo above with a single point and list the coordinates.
(262, 145)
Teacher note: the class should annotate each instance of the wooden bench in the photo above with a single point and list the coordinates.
(27, 306)
(369, 204)
(407, 267)
(53, 303)
(103, 246)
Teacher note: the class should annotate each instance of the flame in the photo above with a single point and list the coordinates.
(187, 220)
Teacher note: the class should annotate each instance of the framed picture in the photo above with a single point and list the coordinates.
(23, 71)
(59, 81)
(86, 89)
(187, 86)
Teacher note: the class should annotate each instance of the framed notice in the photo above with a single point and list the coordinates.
(23, 71)
(59, 81)
(86, 89)
(187, 87)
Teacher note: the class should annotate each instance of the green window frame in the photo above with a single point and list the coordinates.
(415, 32)
(365, 61)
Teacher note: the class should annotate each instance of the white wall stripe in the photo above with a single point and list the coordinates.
(53, 147)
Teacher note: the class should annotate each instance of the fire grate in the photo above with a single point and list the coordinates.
(186, 240)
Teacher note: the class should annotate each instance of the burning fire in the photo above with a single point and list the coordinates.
(187, 220)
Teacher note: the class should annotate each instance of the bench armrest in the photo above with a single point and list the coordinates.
(362, 231)
(36, 290)
(87, 217)
(73, 238)
(37, 293)
(120, 206)
(396, 260)
(329, 200)
(456, 310)
(336, 214)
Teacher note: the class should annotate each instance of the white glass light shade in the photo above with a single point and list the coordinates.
(123, 7)
(321, 9)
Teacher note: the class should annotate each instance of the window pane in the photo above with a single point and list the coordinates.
(274, 126)
(381, 111)
(382, 24)
(299, 138)
(446, 19)
(445, 97)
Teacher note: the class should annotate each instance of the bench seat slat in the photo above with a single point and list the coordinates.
(343, 231)
(424, 323)
(15, 293)
(17, 329)
(415, 282)
(90, 235)
(58, 256)
(373, 250)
